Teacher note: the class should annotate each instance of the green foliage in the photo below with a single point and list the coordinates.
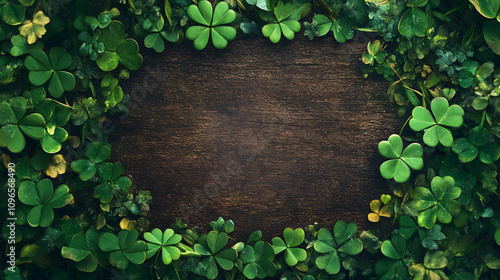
(211, 246)
(83, 249)
(15, 124)
(163, 243)
(436, 124)
(332, 247)
(43, 69)
(400, 161)
(43, 198)
(258, 260)
(117, 49)
(213, 24)
(96, 153)
(293, 238)
(283, 21)
(393, 267)
(437, 203)
(123, 248)
(413, 23)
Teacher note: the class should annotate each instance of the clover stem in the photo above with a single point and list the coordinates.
(483, 118)
(156, 262)
(62, 104)
(404, 125)
(176, 272)
(327, 9)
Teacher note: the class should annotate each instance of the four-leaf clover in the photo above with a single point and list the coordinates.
(213, 24)
(212, 245)
(43, 197)
(164, 242)
(283, 20)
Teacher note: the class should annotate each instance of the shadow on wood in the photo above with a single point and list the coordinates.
(270, 136)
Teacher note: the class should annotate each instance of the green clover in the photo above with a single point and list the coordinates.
(211, 245)
(393, 267)
(96, 153)
(283, 20)
(43, 68)
(480, 142)
(330, 247)
(84, 250)
(56, 116)
(399, 163)
(258, 260)
(213, 24)
(435, 124)
(124, 248)
(434, 261)
(111, 182)
(43, 197)
(375, 53)
(413, 23)
(293, 238)
(117, 48)
(15, 124)
(438, 203)
(164, 243)
(342, 28)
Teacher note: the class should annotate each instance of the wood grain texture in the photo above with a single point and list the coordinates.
(270, 136)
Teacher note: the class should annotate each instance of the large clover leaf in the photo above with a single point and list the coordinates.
(398, 167)
(56, 116)
(258, 260)
(329, 246)
(117, 48)
(413, 23)
(96, 153)
(435, 124)
(212, 245)
(213, 24)
(15, 124)
(111, 182)
(283, 20)
(83, 249)
(43, 197)
(164, 242)
(293, 238)
(394, 267)
(43, 68)
(480, 142)
(124, 248)
(438, 203)
(341, 28)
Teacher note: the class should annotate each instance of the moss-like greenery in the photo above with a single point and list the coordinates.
(60, 69)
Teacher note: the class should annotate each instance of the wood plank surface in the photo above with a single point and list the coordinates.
(268, 135)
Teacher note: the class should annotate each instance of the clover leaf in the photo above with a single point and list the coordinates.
(211, 245)
(43, 197)
(111, 182)
(56, 116)
(117, 48)
(83, 249)
(413, 23)
(15, 124)
(342, 27)
(329, 246)
(380, 208)
(375, 53)
(12, 14)
(258, 260)
(164, 242)
(222, 226)
(20, 46)
(430, 269)
(283, 21)
(398, 167)
(394, 267)
(435, 124)
(124, 248)
(438, 203)
(36, 28)
(488, 9)
(213, 23)
(43, 69)
(293, 238)
(96, 153)
(480, 142)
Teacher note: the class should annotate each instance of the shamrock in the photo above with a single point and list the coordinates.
(164, 242)
(43, 197)
(293, 238)
(123, 248)
(213, 21)
(398, 167)
(438, 203)
(480, 142)
(283, 20)
(43, 69)
(436, 130)
(212, 246)
(393, 267)
(14, 121)
(258, 261)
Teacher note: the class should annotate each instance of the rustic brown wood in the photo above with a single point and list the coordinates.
(268, 135)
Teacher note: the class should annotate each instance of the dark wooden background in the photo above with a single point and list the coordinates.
(268, 135)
